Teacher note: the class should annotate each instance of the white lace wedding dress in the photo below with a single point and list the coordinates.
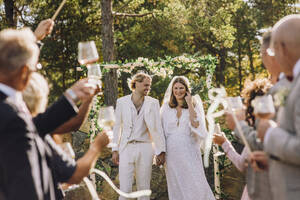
(184, 169)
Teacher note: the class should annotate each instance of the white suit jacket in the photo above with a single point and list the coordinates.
(124, 124)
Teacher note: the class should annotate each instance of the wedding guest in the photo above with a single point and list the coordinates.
(23, 163)
(63, 167)
(137, 126)
(281, 141)
(184, 126)
(282, 83)
(36, 98)
(252, 89)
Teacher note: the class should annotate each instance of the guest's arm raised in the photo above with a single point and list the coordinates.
(237, 159)
(87, 162)
(64, 109)
(44, 28)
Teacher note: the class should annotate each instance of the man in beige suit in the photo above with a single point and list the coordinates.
(258, 183)
(137, 131)
(282, 140)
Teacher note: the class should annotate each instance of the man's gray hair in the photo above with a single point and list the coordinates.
(18, 48)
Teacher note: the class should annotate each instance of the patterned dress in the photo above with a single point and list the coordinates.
(184, 169)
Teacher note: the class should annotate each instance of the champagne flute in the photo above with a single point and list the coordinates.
(263, 106)
(94, 74)
(106, 120)
(236, 103)
(87, 52)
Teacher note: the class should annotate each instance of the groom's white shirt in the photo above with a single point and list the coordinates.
(143, 127)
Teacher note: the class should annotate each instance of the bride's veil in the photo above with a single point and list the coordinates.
(168, 92)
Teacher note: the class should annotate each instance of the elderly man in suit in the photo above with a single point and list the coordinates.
(258, 183)
(24, 170)
(282, 141)
(137, 126)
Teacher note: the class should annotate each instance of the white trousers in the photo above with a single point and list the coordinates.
(136, 159)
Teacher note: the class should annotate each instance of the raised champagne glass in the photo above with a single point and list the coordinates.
(263, 107)
(94, 74)
(236, 103)
(87, 52)
(106, 120)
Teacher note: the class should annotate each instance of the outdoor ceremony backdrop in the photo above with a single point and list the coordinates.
(128, 29)
(169, 37)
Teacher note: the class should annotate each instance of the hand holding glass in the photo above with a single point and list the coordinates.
(87, 52)
(218, 132)
(263, 107)
(94, 74)
(106, 120)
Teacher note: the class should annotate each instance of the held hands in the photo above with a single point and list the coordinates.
(160, 159)
(44, 28)
(115, 157)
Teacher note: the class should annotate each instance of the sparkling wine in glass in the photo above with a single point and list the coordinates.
(263, 107)
(87, 52)
(106, 120)
(236, 103)
(94, 74)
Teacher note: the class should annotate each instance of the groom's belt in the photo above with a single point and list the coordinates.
(136, 141)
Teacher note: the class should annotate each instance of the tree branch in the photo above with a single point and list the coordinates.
(125, 5)
(19, 11)
(130, 15)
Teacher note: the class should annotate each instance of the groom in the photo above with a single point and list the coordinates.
(137, 126)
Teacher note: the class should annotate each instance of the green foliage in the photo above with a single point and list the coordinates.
(226, 29)
(171, 38)
(199, 70)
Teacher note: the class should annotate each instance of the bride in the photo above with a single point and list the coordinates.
(184, 127)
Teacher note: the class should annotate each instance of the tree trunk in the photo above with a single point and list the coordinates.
(110, 78)
(9, 13)
(240, 64)
(221, 67)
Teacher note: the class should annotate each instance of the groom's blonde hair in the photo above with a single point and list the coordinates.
(139, 77)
